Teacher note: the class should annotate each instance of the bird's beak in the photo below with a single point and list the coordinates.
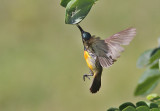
(80, 28)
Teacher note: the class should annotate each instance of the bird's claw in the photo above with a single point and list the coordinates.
(85, 75)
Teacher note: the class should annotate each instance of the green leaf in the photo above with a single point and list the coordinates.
(142, 108)
(153, 105)
(152, 97)
(155, 57)
(155, 109)
(154, 65)
(77, 10)
(155, 50)
(143, 60)
(124, 105)
(129, 108)
(141, 103)
(64, 2)
(113, 109)
(147, 82)
(159, 64)
(157, 102)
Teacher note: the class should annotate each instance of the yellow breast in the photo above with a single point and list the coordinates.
(87, 58)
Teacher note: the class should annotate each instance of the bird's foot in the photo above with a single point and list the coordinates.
(87, 75)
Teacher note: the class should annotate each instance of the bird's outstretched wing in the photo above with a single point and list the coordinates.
(109, 50)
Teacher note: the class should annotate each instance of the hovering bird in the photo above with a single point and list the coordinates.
(101, 54)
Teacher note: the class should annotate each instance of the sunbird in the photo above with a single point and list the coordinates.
(101, 54)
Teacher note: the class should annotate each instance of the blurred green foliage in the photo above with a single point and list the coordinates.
(41, 58)
(151, 77)
(153, 105)
(148, 82)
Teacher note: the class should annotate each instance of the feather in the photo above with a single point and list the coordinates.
(109, 50)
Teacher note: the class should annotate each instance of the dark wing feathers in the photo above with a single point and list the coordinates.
(101, 50)
(109, 50)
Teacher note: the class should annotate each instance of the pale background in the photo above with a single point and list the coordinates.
(41, 58)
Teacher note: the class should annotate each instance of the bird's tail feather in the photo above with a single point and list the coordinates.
(96, 84)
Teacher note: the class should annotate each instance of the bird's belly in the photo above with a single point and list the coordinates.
(90, 61)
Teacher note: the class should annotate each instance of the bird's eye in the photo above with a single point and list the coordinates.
(86, 36)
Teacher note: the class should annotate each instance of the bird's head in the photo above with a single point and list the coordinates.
(85, 35)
